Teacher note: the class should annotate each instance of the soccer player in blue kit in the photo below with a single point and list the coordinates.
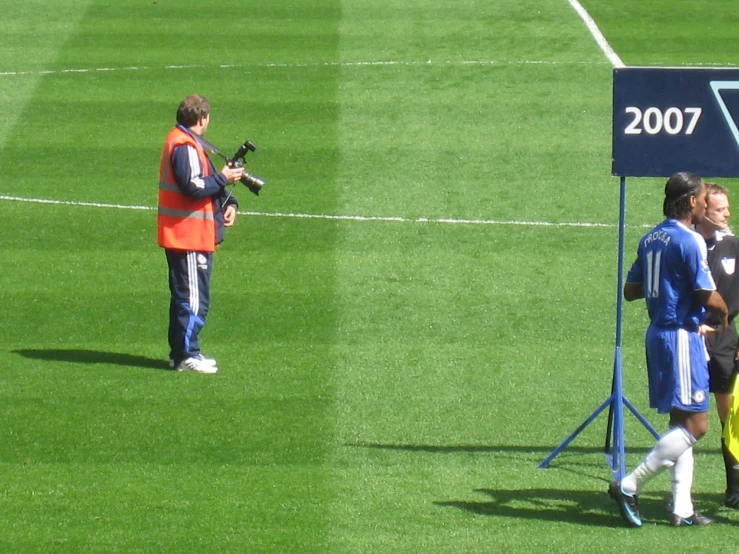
(671, 273)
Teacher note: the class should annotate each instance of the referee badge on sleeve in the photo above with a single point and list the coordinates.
(729, 265)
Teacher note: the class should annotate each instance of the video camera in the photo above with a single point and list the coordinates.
(252, 182)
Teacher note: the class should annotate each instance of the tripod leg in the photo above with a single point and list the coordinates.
(576, 432)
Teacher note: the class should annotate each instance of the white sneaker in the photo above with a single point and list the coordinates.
(210, 361)
(203, 359)
(198, 365)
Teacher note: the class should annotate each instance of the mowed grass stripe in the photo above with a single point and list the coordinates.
(27, 40)
(121, 456)
(446, 329)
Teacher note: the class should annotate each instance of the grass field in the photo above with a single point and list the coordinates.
(406, 320)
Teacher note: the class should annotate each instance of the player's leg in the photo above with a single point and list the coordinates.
(691, 414)
(663, 455)
(722, 347)
(731, 495)
(671, 447)
(659, 352)
(681, 474)
(670, 356)
(723, 405)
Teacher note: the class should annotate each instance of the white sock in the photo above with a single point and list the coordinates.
(681, 475)
(664, 454)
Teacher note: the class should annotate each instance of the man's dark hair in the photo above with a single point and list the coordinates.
(678, 191)
(191, 109)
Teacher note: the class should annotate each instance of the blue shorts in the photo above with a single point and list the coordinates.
(677, 365)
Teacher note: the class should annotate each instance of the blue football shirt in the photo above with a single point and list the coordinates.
(671, 265)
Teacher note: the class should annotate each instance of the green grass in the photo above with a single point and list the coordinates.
(386, 385)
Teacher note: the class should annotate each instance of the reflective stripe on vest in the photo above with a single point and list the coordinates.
(185, 214)
(183, 223)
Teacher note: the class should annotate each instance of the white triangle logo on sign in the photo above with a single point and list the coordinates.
(717, 86)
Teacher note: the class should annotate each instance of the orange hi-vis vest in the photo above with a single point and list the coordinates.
(183, 222)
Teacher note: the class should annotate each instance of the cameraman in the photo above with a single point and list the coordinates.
(194, 207)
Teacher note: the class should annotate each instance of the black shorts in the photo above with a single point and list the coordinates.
(722, 347)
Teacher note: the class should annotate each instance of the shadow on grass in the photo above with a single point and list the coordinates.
(583, 507)
(592, 508)
(455, 448)
(91, 357)
(582, 467)
(580, 507)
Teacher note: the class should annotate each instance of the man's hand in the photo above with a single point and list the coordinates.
(232, 174)
(229, 215)
(633, 291)
(712, 301)
(704, 329)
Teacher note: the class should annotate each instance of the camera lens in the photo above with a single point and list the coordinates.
(252, 182)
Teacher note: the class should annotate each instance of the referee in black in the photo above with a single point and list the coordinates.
(723, 346)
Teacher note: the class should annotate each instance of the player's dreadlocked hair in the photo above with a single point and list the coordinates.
(678, 191)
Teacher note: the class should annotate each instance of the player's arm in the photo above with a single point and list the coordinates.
(633, 291)
(634, 287)
(712, 301)
(704, 285)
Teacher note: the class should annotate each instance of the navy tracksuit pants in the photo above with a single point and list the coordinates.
(189, 287)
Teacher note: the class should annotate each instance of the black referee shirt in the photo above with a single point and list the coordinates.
(723, 260)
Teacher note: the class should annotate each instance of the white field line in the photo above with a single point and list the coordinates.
(597, 35)
(613, 58)
(290, 215)
(42, 72)
(609, 52)
(292, 65)
(589, 22)
(615, 62)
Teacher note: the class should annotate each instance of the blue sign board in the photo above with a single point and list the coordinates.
(667, 120)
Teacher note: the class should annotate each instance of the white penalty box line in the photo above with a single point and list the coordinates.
(330, 217)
